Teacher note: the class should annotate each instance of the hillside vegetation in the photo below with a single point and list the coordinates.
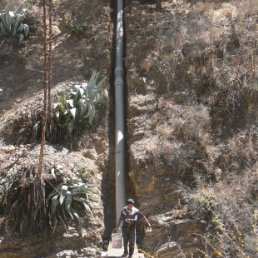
(191, 112)
(65, 216)
(192, 124)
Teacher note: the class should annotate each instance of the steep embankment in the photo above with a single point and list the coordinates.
(82, 43)
(192, 123)
(192, 132)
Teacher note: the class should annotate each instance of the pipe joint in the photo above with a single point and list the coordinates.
(119, 82)
(119, 69)
(119, 72)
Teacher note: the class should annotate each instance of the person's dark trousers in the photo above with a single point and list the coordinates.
(139, 239)
(128, 236)
(140, 233)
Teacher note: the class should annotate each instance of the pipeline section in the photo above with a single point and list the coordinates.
(119, 109)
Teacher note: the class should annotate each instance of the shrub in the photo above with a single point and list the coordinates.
(75, 29)
(24, 200)
(72, 113)
(24, 128)
(5, 184)
(22, 203)
(78, 108)
(229, 211)
(11, 24)
(67, 200)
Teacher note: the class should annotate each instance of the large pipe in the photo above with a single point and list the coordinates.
(119, 106)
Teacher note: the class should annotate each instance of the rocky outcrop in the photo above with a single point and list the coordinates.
(173, 59)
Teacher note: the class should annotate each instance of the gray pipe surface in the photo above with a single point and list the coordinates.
(119, 106)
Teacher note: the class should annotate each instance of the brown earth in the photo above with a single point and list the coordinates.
(21, 83)
(73, 60)
(192, 106)
(192, 121)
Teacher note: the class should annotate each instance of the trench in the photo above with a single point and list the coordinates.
(109, 177)
(108, 181)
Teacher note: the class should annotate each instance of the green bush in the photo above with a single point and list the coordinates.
(78, 108)
(5, 183)
(68, 199)
(75, 29)
(11, 24)
(73, 112)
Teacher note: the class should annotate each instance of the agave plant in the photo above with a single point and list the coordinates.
(67, 199)
(5, 183)
(75, 29)
(79, 106)
(11, 24)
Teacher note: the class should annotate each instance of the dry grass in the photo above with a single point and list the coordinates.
(180, 137)
(228, 203)
(13, 4)
(192, 124)
(203, 62)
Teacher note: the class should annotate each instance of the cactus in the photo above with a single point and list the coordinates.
(79, 106)
(11, 24)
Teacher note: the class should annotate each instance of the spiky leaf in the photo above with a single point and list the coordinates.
(73, 111)
(68, 203)
(12, 24)
(87, 208)
(70, 127)
(63, 194)
(54, 204)
(76, 215)
(26, 29)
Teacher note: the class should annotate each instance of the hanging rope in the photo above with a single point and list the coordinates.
(47, 79)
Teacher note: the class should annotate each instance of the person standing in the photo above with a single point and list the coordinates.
(130, 215)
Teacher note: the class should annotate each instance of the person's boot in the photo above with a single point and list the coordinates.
(130, 254)
(131, 251)
(124, 255)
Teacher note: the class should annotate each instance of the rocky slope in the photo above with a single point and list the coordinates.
(74, 58)
(192, 121)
